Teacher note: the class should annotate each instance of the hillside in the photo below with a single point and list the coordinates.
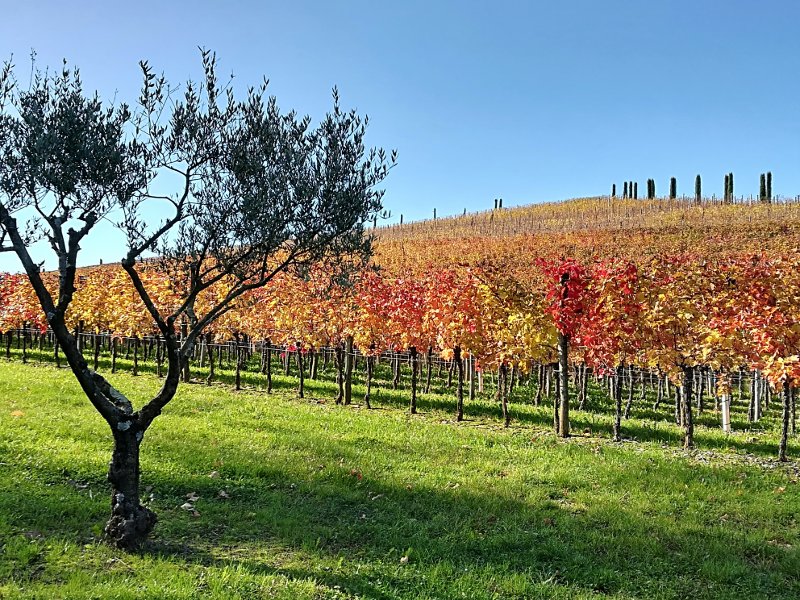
(598, 214)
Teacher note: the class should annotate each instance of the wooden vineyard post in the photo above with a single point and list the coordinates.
(725, 410)
(268, 364)
(471, 377)
(459, 363)
(185, 365)
(617, 393)
(563, 391)
(96, 347)
(414, 371)
(786, 396)
(348, 369)
(686, 405)
(301, 375)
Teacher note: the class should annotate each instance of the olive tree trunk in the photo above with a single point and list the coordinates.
(130, 522)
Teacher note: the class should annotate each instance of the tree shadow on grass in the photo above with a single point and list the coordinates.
(340, 514)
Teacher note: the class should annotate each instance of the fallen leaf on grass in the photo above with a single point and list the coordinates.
(113, 562)
(17, 414)
(213, 474)
(223, 494)
(192, 497)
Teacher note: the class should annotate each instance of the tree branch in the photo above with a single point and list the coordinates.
(130, 269)
(135, 251)
(103, 404)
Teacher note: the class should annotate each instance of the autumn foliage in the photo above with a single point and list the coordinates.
(663, 299)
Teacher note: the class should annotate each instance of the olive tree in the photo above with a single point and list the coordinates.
(249, 191)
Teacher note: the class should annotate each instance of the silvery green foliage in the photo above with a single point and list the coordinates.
(247, 190)
(258, 190)
(65, 161)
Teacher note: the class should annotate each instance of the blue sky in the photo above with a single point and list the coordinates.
(528, 101)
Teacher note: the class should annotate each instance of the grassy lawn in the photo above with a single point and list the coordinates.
(305, 499)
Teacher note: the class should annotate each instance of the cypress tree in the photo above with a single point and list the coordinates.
(698, 189)
(762, 188)
(725, 193)
(635, 190)
(625, 190)
(769, 186)
(673, 188)
(730, 187)
(613, 190)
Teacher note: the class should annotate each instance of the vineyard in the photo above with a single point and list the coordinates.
(229, 369)
(686, 307)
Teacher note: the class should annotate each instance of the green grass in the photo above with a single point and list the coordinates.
(341, 502)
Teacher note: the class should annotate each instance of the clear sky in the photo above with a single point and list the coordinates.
(528, 101)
